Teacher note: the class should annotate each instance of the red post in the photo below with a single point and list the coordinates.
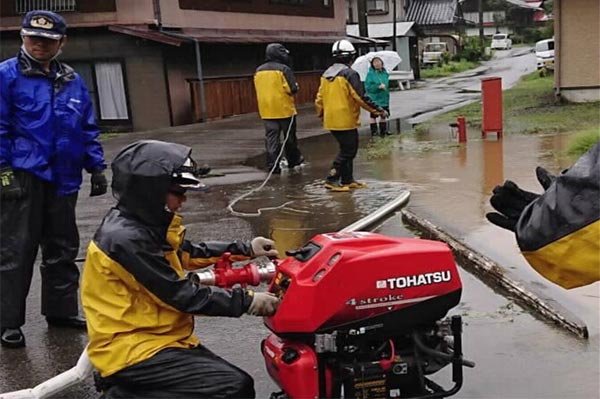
(462, 129)
(491, 106)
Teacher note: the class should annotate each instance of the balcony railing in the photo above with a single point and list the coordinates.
(24, 6)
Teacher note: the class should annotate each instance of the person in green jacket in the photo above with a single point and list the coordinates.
(377, 86)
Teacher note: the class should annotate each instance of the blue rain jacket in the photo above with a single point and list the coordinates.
(47, 123)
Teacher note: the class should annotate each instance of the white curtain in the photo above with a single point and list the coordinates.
(111, 90)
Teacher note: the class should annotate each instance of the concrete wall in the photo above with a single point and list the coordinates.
(175, 17)
(403, 49)
(144, 72)
(577, 49)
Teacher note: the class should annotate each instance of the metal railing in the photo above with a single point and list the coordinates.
(24, 6)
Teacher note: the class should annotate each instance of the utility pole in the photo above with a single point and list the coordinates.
(363, 28)
(394, 26)
(480, 9)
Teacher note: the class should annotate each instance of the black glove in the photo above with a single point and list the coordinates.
(99, 184)
(510, 201)
(10, 188)
(203, 170)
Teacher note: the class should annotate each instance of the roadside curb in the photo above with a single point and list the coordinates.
(499, 278)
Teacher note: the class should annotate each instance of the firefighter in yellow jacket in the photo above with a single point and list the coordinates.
(339, 99)
(139, 306)
(558, 231)
(276, 86)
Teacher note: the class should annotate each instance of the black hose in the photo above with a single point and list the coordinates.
(432, 352)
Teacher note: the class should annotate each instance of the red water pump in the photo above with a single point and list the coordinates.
(361, 316)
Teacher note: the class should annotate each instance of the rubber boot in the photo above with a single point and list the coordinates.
(13, 337)
(383, 129)
(373, 129)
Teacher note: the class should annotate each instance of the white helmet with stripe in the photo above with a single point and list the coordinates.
(343, 48)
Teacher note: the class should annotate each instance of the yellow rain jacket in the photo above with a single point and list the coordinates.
(559, 233)
(135, 296)
(275, 86)
(340, 97)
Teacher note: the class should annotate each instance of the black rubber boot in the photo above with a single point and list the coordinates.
(373, 129)
(383, 129)
(12, 338)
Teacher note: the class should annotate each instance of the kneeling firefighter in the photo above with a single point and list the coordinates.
(139, 306)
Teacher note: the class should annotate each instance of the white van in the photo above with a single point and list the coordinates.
(501, 41)
(432, 52)
(544, 53)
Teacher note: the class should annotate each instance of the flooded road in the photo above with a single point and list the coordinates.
(450, 185)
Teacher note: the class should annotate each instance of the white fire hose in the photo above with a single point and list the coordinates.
(56, 384)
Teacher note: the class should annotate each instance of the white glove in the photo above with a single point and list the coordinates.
(263, 304)
(261, 246)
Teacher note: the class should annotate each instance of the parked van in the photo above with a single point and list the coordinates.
(544, 53)
(432, 53)
(501, 41)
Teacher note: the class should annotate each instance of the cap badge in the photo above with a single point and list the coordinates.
(40, 21)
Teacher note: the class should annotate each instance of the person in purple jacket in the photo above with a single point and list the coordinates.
(48, 135)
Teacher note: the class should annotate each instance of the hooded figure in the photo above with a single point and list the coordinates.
(276, 86)
(138, 303)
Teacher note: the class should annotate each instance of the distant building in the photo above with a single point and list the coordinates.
(380, 26)
(152, 55)
(577, 49)
(437, 21)
(507, 16)
(418, 22)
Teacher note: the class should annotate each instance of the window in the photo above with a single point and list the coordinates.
(378, 6)
(24, 6)
(349, 13)
(106, 84)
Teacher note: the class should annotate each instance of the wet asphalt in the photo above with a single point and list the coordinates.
(517, 355)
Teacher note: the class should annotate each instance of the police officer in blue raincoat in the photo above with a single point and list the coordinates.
(48, 135)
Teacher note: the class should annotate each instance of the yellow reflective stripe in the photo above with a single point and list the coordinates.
(572, 261)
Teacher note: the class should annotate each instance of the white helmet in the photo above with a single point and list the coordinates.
(343, 48)
(185, 176)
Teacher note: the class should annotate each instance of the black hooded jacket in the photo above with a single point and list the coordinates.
(275, 84)
(134, 292)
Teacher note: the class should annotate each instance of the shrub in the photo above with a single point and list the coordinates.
(472, 49)
(446, 57)
(583, 141)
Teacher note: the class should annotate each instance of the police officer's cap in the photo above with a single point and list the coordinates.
(43, 23)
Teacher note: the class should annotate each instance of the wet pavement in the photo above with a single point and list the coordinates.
(517, 355)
